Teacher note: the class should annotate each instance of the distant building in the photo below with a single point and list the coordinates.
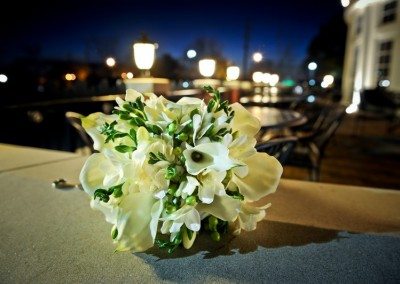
(372, 55)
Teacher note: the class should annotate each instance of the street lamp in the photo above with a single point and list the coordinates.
(258, 77)
(312, 66)
(232, 73)
(257, 57)
(110, 62)
(207, 67)
(191, 53)
(144, 53)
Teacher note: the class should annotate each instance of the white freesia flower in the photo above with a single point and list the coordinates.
(223, 207)
(211, 184)
(187, 215)
(92, 124)
(248, 217)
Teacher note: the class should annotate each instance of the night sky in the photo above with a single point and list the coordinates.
(63, 28)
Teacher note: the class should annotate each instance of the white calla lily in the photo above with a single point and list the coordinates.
(207, 156)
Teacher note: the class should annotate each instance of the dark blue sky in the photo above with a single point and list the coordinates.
(66, 28)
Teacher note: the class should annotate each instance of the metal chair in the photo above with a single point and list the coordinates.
(311, 147)
(279, 147)
(74, 120)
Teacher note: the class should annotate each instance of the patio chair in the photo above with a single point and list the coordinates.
(74, 119)
(279, 147)
(310, 149)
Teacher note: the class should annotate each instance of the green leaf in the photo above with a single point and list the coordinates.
(102, 194)
(154, 129)
(125, 148)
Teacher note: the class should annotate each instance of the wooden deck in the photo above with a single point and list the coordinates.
(361, 153)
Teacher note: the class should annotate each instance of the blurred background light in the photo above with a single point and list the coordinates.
(191, 53)
(207, 67)
(298, 90)
(311, 82)
(312, 66)
(345, 3)
(110, 62)
(257, 77)
(144, 54)
(3, 78)
(70, 76)
(329, 79)
(232, 73)
(274, 79)
(129, 75)
(265, 78)
(185, 84)
(257, 57)
(384, 83)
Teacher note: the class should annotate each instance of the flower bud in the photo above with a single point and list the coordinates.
(172, 127)
(215, 236)
(191, 200)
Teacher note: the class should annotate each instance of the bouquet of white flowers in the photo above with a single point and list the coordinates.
(165, 171)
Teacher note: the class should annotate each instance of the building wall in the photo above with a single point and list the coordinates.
(362, 48)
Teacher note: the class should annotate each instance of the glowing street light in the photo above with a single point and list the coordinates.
(207, 67)
(110, 62)
(328, 79)
(129, 75)
(258, 77)
(274, 79)
(3, 78)
(312, 66)
(70, 77)
(232, 73)
(191, 53)
(144, 53)
(266, 78)
(345, 3)
(257, 57)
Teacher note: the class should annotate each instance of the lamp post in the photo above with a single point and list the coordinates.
(312, 66)
(232, 74)
(207, 67)
(144, 54)
(207, 70)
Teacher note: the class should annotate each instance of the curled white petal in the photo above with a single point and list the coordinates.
(223, 207)
(244, 121)
(262, 179)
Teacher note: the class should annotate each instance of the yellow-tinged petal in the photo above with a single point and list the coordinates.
(244, 121)
(223, 207)
(263, 177)
(133, 224)
(132, 95)
(92, 124)
(97, 172)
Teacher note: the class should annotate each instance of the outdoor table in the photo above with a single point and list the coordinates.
(274, 118)
(313, 232)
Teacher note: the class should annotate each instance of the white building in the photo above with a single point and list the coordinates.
(372, 55)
